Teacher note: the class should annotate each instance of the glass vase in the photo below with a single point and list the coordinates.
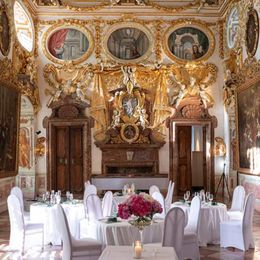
(140, 223)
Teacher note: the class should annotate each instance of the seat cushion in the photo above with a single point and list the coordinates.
(236, 215)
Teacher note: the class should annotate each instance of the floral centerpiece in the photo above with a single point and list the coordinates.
(142, 206)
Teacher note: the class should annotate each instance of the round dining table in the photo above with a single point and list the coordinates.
(45, 213)
(210, 218)
(121, 232)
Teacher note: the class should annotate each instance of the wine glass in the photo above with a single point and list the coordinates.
(188, 193)
(186, 197)
(211, 198)
(67, 195)
(71, 197)
(47, 195)
(59, 193)
(44, 198)
(207, 195)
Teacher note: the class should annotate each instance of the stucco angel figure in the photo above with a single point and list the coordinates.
(116, 119)
(56, 95)
(79, 93)
(129, 80)
(115, 2)
(143, 118)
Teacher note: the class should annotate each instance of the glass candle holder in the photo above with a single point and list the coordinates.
(138, 249)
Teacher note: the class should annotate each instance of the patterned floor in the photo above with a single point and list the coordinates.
(209, 252)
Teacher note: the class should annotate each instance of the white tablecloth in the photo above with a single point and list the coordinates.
(120, 233)
(149, 252)
(41, 213)
(210, 218)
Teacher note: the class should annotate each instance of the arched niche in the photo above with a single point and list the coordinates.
(26, 158)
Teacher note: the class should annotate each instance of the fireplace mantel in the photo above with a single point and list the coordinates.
(130, 160)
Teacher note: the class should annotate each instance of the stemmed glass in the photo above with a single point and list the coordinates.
(207, 195)
(211, 198)
(186, 196)
(67, 195)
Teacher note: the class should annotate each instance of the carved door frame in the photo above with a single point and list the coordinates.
(210, 124)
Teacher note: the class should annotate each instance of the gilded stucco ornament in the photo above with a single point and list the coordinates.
(192, 80)
(67, 80)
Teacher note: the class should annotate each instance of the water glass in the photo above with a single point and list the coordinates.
(44, 198)
(186, 196)
(71, 197)
(47, 195)
(207, 195)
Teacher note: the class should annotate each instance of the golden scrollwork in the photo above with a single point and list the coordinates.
(158, 45)
(133, 25)
(5, 29)
(62, 24)
(197, 24)
(221, 39)
(40, 146)
(220, 147)
(192, 80)
(67, 80)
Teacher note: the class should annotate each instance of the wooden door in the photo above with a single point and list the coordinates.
(184, 178)
(76, 159)
(67, 152)
(60, 150)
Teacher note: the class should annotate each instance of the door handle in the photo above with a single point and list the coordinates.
(72, 161)
(65, 161)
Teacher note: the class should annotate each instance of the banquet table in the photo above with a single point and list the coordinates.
(149, 252)
(43, 213)
(210, 218)
(121, 232)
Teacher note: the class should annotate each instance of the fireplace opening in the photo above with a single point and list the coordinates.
(135, 170)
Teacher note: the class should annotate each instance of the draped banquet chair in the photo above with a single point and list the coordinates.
(152, 189)
(238, 233)
(89, 189)
(190, 239)
(107, 203)
(168, 199)
(174, 230)
(158, 196)
(16, 191)
(88, 249)
(94, 207)
(20, 231)
(238, 201)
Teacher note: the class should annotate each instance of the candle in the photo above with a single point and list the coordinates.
(138, 249)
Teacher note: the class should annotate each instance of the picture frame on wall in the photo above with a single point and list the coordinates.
(189, 41)
(67, 42)
(252, 32)
(9, 130)
(232, 27)
(5, 32)
(128, 42)
(248, 127)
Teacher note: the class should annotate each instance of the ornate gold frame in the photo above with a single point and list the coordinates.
(238, 32)
(33, 27)
(67, 24)
(136, 25)
(249, 83)
(122, 133)
(4, 9)
(194, 24)
(253, 12)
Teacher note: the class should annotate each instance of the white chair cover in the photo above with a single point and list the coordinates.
(94, 208)
(107, 203)
(238, 233)
(238, 199)
(152, 189)
(89, 189)
(89, 249)
(194, 215)
(18, 227)
(86, 184)
(16, 191)
(173, 230)
(159, 197)
(168, 199)
(190, 239)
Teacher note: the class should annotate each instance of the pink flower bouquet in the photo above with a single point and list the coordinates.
(140, 205)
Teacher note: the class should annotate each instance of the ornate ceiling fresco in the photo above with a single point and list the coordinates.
(213, 7)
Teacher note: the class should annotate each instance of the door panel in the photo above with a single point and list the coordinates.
(76, 159)
(62, 182)
(184, 159)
